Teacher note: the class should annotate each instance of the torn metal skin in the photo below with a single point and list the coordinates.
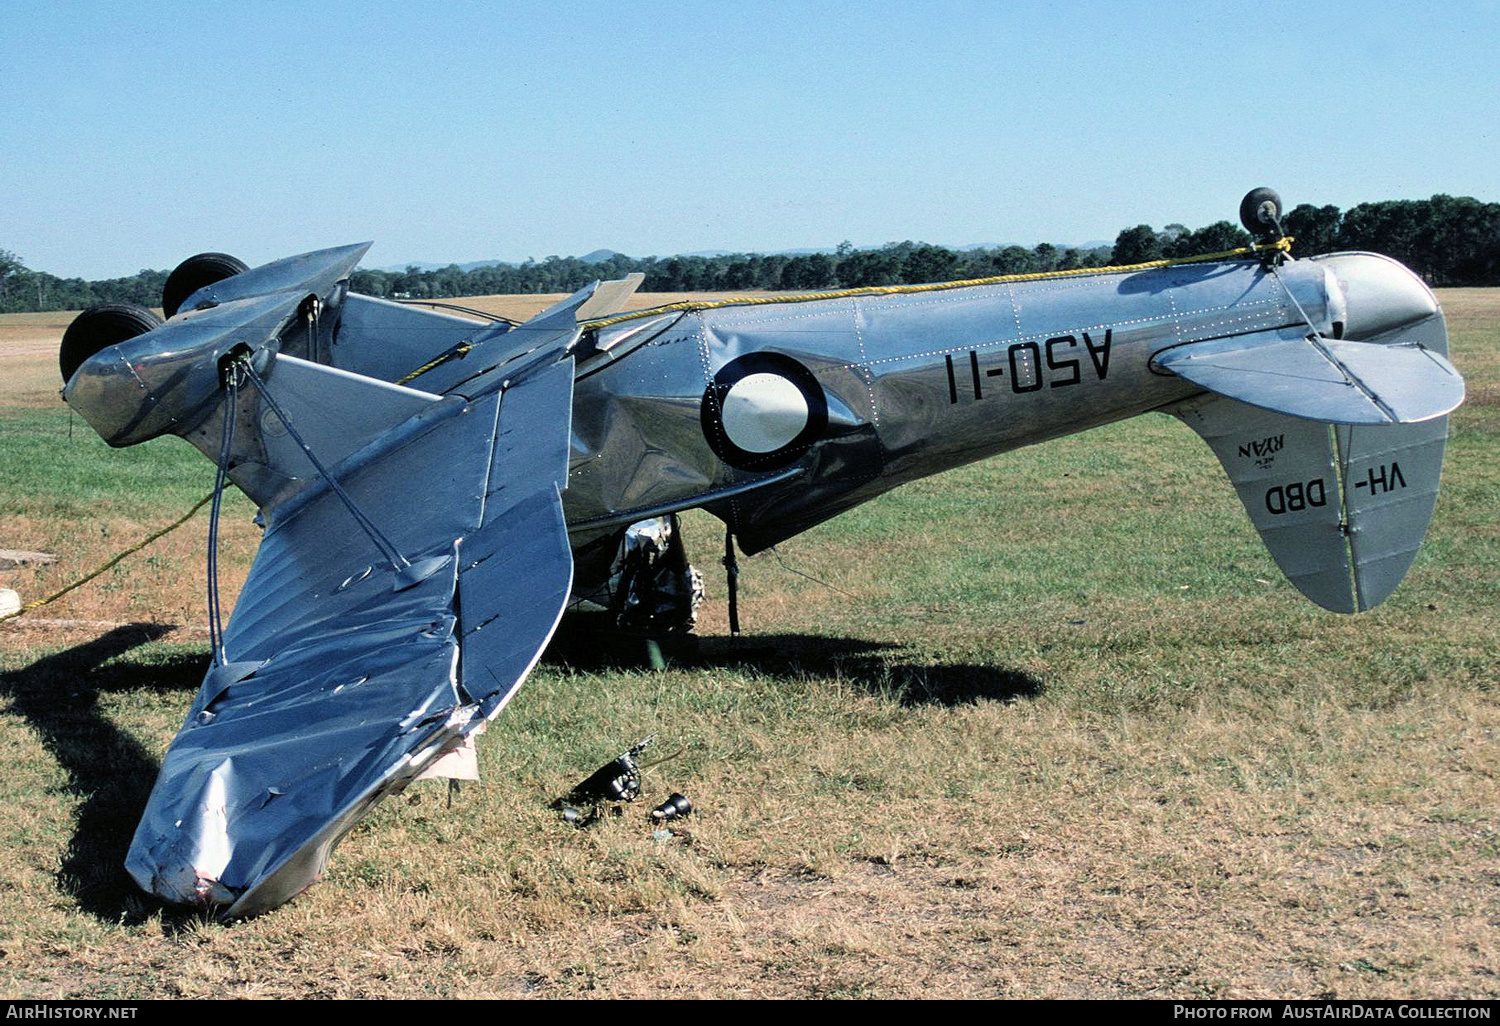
(512, 468)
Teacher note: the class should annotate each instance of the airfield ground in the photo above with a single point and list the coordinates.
(1052, 725)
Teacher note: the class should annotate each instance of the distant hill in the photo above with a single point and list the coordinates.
(471, 265)
(599, 256)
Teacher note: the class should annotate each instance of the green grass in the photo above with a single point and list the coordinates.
(54, 465)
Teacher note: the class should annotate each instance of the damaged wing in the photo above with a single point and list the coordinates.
(347, 680)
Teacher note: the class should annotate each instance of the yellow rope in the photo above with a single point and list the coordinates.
(456, 351)
(1280, 245)
(28, 607)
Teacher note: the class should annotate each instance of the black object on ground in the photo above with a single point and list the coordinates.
(618, 780)
(674, 807)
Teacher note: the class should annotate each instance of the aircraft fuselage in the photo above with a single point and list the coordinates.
(866, 392)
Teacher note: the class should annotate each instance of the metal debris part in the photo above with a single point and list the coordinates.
(618, 780)
(675, 807)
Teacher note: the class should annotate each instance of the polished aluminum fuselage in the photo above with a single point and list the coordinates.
(916, 382)
(909, 381)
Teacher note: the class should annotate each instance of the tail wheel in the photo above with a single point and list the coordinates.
(1261, 212)
(193, 274)
(99, 327)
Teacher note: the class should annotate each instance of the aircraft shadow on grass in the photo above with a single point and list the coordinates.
(875, 666)
(110, 770)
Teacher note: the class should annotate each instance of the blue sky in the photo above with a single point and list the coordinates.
(134, 134)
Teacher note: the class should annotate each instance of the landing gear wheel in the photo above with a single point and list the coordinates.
(99, 327)
(194, 273)
(1260, 212)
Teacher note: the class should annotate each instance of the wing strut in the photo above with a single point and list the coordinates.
(407, 573)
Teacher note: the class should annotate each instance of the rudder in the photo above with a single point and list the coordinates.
(1342, 509)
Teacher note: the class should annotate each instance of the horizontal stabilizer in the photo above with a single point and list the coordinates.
(1323, 379)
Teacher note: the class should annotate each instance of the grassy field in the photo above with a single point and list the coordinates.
(1047, 726)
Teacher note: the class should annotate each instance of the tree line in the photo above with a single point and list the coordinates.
(22, 289)
(1449, 240)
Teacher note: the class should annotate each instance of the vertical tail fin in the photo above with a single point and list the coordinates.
(1338, 463)
(1341, 508)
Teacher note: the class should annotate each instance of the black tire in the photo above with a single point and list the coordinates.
(99, 327)
(1251, 215)
(194, 273)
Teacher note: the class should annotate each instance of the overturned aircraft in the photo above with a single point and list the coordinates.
(435, 491)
